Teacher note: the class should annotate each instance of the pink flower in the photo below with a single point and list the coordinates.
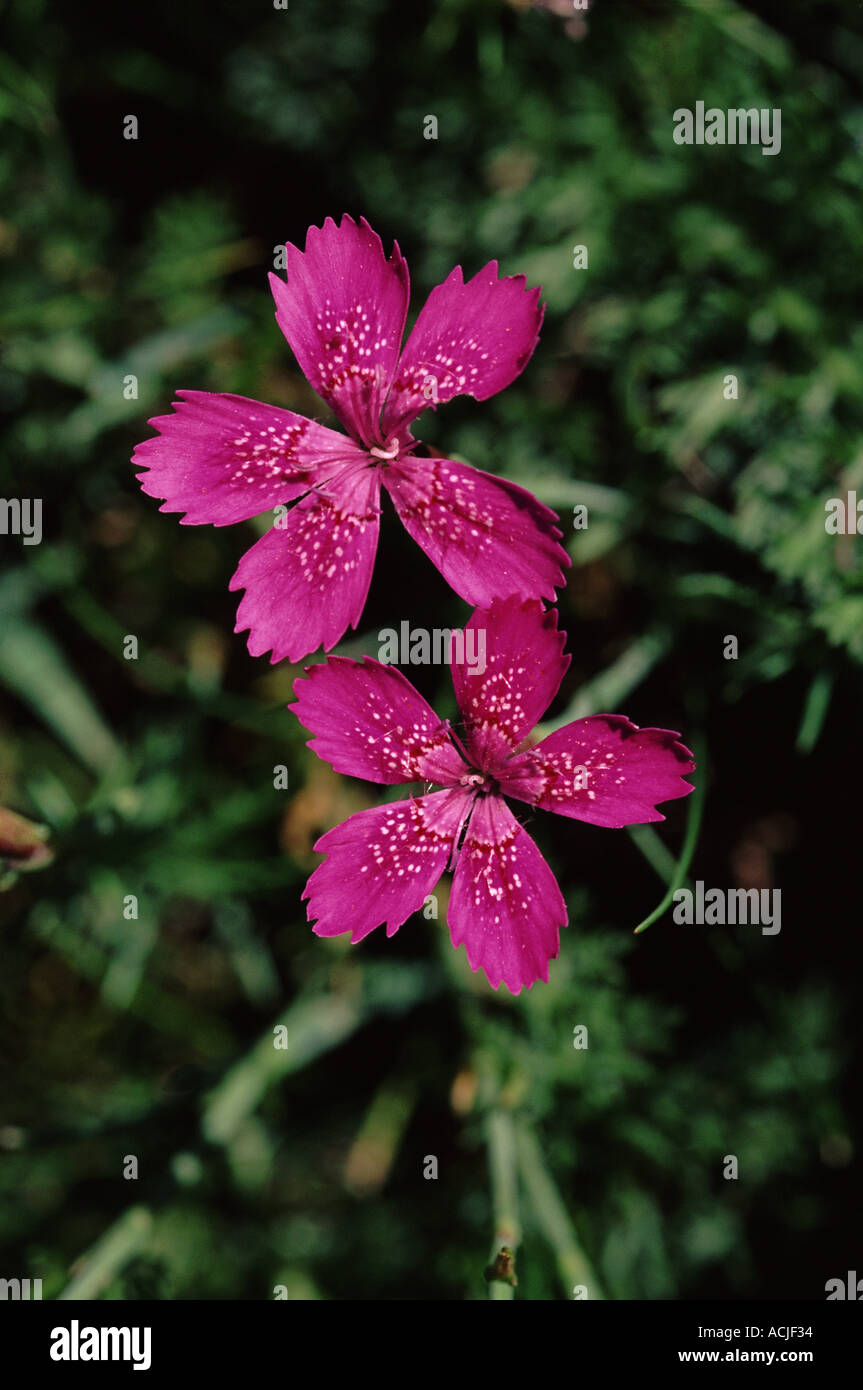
(222, 458)
(505, 905)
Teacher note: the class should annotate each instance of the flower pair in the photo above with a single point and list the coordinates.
(222, 458)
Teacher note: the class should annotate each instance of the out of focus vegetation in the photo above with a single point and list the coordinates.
(152, 1036)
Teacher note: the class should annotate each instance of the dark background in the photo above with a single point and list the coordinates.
(149, 1037)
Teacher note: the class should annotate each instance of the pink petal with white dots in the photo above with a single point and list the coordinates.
(607, 771)
(488, 537)
(524, 666)
(505, 906)
(369, 721)
(382, 864)
(470, 339)
(307, 579)
(222, 458)
(343, 312)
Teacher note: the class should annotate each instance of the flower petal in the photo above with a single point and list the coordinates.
(369, 721)
(307, 579)
(524, 666)
(488, 537)
(505, 906)
(222, 458)
(382, 864)
(607, 771)
(470, 339)
(343, 312)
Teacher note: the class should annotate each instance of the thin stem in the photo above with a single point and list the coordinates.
(678, 878)
(108, 1256)
(500, 1136)
(312, 1027)
(573, 1265)
(657, 854)
(815, 712)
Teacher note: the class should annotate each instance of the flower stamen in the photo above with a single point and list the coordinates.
(389, 453)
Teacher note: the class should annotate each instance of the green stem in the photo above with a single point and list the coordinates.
(314, 1026)
(815, 711)
(678, 878)
(573, 1265)
(500, 1136)
(111, 1252)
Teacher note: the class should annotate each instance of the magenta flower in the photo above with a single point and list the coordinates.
(505, 905)
(223, 458)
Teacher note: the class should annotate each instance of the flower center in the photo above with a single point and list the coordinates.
(390, 452)
(478, 782)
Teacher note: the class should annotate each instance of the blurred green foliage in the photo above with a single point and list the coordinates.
(152, 1036)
